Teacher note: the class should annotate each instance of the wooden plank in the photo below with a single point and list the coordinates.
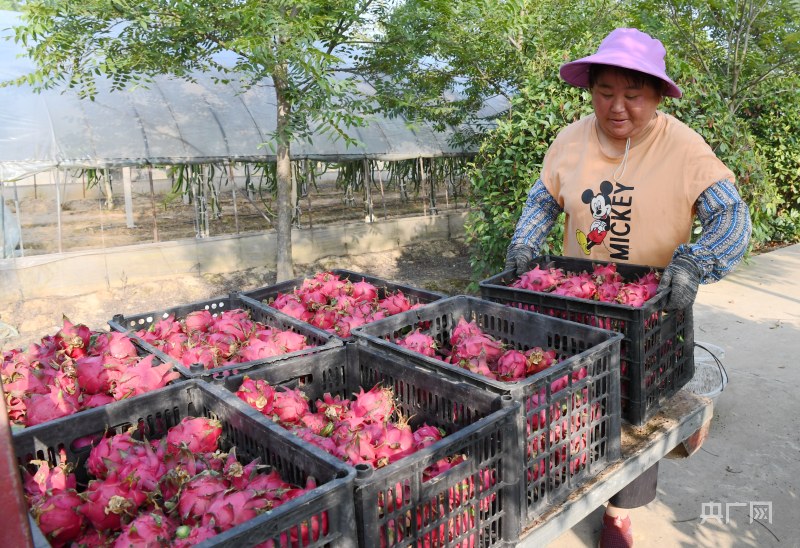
(642, 447)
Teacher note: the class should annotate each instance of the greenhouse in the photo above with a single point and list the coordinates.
(170, 153)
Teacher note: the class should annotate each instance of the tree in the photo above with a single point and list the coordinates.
(301, 45)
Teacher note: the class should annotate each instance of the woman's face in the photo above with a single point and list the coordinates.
(623, 111)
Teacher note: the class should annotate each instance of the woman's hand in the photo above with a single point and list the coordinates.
(518, 258)
(683, 277)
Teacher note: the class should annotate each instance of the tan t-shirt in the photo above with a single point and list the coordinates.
(636, 211)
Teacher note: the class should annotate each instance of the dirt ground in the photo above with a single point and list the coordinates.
(434, 265)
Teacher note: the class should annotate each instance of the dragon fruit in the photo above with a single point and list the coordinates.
(230, 508)
(108, 502)
(195, 434)
(290, 405)
(196, 495)
(57, 517)
(150, 529)
(512, 365)
(259, 394)
(633, 294)
(419, 342)
(376, 405)
(577, 285)
(47, 481)
(540, 279)
(186, 536)
(53, 405)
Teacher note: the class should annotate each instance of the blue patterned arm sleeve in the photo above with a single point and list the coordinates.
(726, 224)
(537, 219)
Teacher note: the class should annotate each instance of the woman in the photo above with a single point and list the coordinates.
(631, 179)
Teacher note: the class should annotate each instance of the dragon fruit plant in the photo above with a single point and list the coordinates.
(216, 340)
(474, 350)
(337, 305)
(368, 429)
(176, 491)
(603, 284)
(76, 369)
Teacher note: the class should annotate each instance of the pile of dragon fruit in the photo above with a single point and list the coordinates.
(76, 369)
(603, 284)
(364, 430)
(176, 491)
(338, 305)
(227, 338)
(368, 429)
(474, 350)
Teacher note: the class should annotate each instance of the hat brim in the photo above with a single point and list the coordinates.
(576, 73)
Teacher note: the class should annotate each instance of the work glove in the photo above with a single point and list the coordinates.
(518, 258)
(683, 277)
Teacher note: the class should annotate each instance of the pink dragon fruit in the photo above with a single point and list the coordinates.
(478, 346)
(186, 536)
(290, 341)
(197, 493)
(47, 481)
(57, 517)
(512, 365)
(650, 281)
(419, 342)
(93, 375)
(290, 405)
(364, 291)
(580, 286)
(633, 294)
(195, 434)
(149, 529)
(539, 279)
(107, 502)
(259, 394)
(377, 405)
(606, 273)
(230, 508)
(46, 407)
(539, 359)
(141, 377)
(109, 453)
(73, 339)
(394, 303)
(607, 291)
(197, 321)
(333, 407)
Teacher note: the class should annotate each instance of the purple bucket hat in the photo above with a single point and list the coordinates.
(626, 48)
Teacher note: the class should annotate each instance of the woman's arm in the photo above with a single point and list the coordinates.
(538, 217)
(726, 224)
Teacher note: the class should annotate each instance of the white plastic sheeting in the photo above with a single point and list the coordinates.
(171, 121)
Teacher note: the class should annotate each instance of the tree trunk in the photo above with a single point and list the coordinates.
(285, 269)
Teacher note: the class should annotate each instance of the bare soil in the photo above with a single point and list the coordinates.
(435, 265)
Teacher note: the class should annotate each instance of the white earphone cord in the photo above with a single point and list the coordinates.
(624, 162)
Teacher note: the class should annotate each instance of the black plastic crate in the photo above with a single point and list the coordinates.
(479, 424)
(266, 294)
(243, 428)
(556, 461)
(657, 350)
(319, 339)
